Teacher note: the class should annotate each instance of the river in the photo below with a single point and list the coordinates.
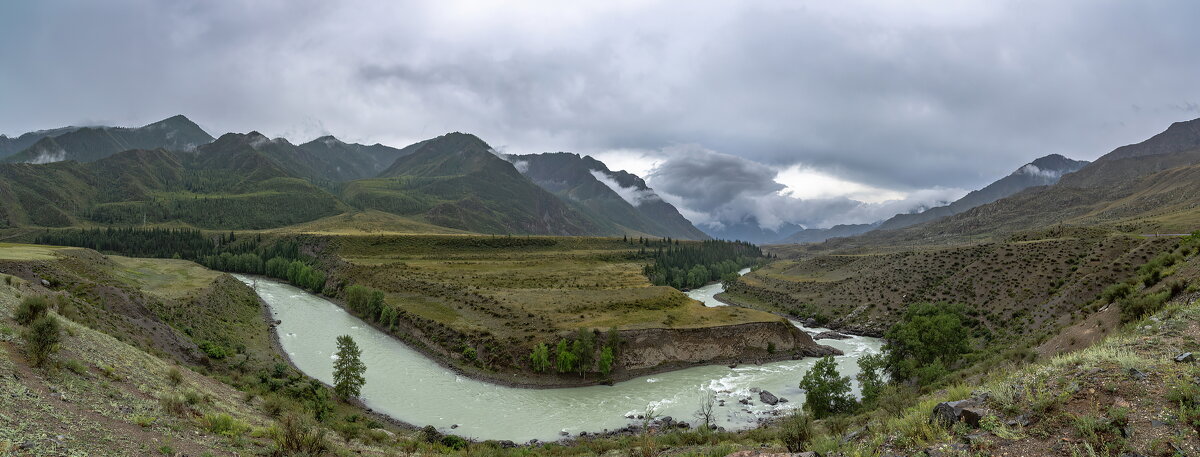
(405, 384)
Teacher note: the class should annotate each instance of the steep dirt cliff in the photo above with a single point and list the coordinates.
(655, 349)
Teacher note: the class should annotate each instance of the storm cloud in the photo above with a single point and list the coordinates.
(882, 104)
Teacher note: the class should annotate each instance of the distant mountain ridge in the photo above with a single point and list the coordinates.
(819, 235)
(1043, 171)
(172, 171)
(1146, 187)
(619, 199)
(458, 181)
(88, 144)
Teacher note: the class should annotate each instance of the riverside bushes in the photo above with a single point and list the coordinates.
(578, 354)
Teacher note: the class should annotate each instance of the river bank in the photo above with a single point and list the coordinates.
(414, 389)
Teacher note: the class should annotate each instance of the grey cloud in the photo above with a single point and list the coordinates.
(903, 96)
(707, 181)
(716, 190)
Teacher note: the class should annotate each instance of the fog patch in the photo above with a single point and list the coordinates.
(45, 157)
(1034, 170)
(631, 194)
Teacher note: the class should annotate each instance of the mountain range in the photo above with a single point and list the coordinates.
(1043, 171)
(1148, 187)
(172, 172)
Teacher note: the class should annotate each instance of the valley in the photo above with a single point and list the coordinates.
(505, 301)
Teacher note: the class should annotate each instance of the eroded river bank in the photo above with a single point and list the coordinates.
(408, 386)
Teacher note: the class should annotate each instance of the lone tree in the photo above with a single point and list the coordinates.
(348, 369)
(826, 392)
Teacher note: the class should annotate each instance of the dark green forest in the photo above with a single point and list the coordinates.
(251, 254)
(693, 264)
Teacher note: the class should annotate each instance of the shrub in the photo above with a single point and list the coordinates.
(796, 430)
(454, 442)
(175, 404)
(213, 350)
(30, 309)
(175, 376)
(295, 436)
(1134, 308)
(42, 339)
(275, 406)
(349, 431)
(223, 424)
(76, 367)
(1116, 292)
(142, 420)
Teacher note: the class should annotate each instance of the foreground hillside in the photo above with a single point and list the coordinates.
(156, 357)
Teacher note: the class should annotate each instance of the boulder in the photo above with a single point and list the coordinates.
(952, 412)
(1186, 357)
(830, 335)
(1137, 374)
(768, 398)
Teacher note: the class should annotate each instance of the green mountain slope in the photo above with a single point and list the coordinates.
(341, 161)
(87, 144)
(608, 197)
(13, 145)
(456, 181)
(217, 186)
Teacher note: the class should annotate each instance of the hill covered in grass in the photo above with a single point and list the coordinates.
(457, 181)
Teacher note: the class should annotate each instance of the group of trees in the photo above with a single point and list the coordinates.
(368, 303)
(929, 341)
(694, 264)
(578, 354)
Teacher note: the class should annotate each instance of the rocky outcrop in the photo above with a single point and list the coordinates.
(768, 398)
(830, 335)
(752, 342)
(952, 412)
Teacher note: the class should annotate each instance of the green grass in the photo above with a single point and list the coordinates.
(11, 251)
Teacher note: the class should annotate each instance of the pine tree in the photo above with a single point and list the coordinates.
(348, 369)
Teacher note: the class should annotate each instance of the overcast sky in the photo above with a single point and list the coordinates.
(805, 112)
